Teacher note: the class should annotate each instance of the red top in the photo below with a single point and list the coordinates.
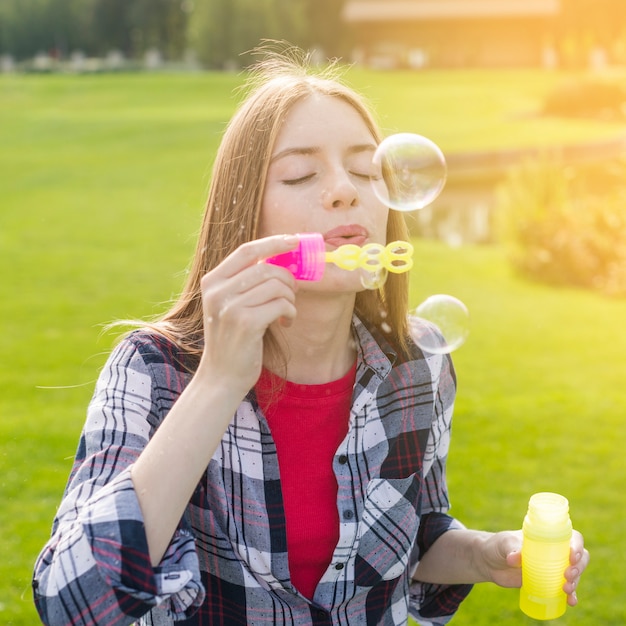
(308, 422)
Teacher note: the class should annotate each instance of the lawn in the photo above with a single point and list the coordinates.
(103, 179)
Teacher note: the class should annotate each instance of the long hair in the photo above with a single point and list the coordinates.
(233, 207)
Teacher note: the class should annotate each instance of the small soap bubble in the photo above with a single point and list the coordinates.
(373, 279)
(409, 171)
(451, 318)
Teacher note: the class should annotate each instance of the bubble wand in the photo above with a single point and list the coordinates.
(308, 260)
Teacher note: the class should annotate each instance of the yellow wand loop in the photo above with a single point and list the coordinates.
(395, 257)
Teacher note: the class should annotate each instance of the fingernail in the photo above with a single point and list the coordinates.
(575, 572)
(291, 239)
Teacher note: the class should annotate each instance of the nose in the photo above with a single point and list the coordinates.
(340, 191)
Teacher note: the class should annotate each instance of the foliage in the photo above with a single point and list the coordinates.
(325, 28)
(28, 27)
(219, 31)
(60, 27)
(223, 31)
(568, 224)
(587, 98)
(136, 26)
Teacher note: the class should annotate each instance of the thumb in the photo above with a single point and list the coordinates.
(513, 548)
(514, 559)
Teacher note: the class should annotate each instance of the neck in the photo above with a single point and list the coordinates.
(318, 345)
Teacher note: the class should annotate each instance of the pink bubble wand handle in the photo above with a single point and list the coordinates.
(307, 261)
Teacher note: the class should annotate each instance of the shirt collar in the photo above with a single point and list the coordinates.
(372, 348)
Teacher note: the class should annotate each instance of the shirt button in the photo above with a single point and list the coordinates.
(343, 459)
(348, 514)
(339, 566)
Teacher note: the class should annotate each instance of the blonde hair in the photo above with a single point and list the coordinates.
(232, 212)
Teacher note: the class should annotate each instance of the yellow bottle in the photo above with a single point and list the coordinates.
(545, 556)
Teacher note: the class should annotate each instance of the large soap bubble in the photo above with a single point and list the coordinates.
(450, 317)
(409, 171)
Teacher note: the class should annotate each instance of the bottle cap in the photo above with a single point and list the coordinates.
(548, 516)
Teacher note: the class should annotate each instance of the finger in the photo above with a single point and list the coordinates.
(570, 586)
(255, 298)
(579, 559)
(514, 559)
(253, 320)
(252, 286)
(285, 322)
(574, 572)
(253, 252)
(577, 548)
(512, 546)
(263, 274)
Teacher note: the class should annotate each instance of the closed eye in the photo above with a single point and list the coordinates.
(298, 181)
(363, 175)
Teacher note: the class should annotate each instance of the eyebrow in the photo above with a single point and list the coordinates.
(309, 150)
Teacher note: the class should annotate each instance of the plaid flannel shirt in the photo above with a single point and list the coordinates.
(227, 562)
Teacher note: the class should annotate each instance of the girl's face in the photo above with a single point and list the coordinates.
(318, 180)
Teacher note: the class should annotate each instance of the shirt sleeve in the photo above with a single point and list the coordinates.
(430, 604)
(96, 569)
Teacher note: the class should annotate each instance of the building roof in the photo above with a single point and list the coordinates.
(394, 10)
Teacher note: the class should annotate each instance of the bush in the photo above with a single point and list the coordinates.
(567, 225)
(587, 98)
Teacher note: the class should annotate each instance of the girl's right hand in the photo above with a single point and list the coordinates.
(241, 297)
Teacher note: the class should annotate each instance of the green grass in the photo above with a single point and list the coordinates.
(540, 407)
(103, 179)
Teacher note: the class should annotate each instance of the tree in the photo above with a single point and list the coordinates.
(133, 26)
(112, 27)
(221, 31)
(326, 28)
(31, 26)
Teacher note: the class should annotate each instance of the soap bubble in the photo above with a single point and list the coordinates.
(451, 318)
(373, 279)
(409, 171)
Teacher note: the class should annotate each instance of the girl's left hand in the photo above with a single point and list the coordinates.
(578, 559)
(510, 544)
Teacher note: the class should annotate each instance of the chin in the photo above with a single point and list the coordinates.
(335, 280)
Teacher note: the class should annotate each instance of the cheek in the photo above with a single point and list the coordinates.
(382, 222)
(285, 212)
(271, 211)
(378, 211)
(275, 218)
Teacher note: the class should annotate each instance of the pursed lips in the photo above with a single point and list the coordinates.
(347, 234)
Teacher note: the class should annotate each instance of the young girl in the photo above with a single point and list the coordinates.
(273, 451)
